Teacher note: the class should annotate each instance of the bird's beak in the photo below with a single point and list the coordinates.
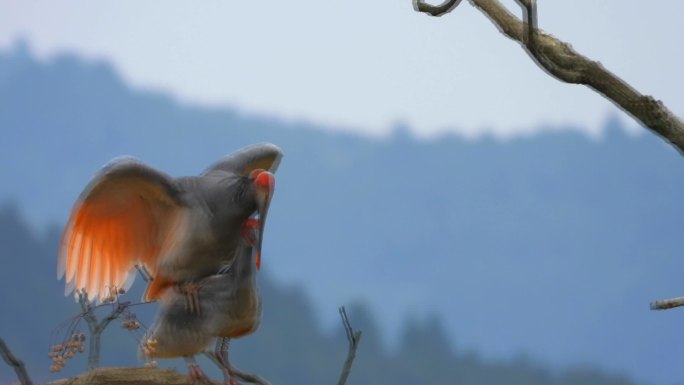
(263, 195)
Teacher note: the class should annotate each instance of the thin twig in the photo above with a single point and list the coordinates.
(116, 312)
(664, 304)
(353, 337)
(15, 363)
(435, 10)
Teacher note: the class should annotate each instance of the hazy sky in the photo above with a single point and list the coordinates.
(364, 65)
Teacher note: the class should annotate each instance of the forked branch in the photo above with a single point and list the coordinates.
(353, 336)
(96, 328)
(561, 61)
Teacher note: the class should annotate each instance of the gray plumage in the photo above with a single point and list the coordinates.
(179, 229)
(229, 306)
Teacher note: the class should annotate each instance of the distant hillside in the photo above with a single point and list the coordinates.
(289, 347)
(549, 245)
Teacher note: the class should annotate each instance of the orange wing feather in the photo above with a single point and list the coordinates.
(129, 214)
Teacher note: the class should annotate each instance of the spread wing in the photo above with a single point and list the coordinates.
(128, 214)
(243, 161)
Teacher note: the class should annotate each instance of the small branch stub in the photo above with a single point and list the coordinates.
(665, 304)
(435, 10)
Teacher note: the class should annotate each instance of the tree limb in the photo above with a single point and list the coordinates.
(15, 363)
(561, 61)
(353, 337)
(665, 304)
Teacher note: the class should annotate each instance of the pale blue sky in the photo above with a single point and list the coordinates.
(363, 65)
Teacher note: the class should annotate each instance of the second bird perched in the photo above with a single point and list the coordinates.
(229, 306)
(178, 229)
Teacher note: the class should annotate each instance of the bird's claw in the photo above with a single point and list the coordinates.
(191, 291)
(196, 376)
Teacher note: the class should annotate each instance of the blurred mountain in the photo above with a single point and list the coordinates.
(289, 348)
(549, 245)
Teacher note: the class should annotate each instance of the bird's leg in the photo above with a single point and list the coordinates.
(195, 374)
(191, 291)
(144, 273)
(221, 354)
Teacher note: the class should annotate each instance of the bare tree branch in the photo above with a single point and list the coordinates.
(15, 363)
(96, 328)
(561, 61)
(665, 304)
(353, 337)
(435, 10)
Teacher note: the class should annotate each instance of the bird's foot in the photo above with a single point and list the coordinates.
(196, 376)
(229, 377)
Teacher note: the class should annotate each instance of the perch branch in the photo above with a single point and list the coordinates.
(353, 337)
(561, 61)
(15, 363)
(664, 304)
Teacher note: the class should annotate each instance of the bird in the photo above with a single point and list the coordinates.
(230, 307)
(177, 230)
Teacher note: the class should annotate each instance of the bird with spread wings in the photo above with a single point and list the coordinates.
(179, 230)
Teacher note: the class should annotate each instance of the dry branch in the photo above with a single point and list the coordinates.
(96, 328)
(561, 61)
(154, 376)
(435, 10)
(353, 336)
(664, 304)
(15, 363)
(121, 376)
